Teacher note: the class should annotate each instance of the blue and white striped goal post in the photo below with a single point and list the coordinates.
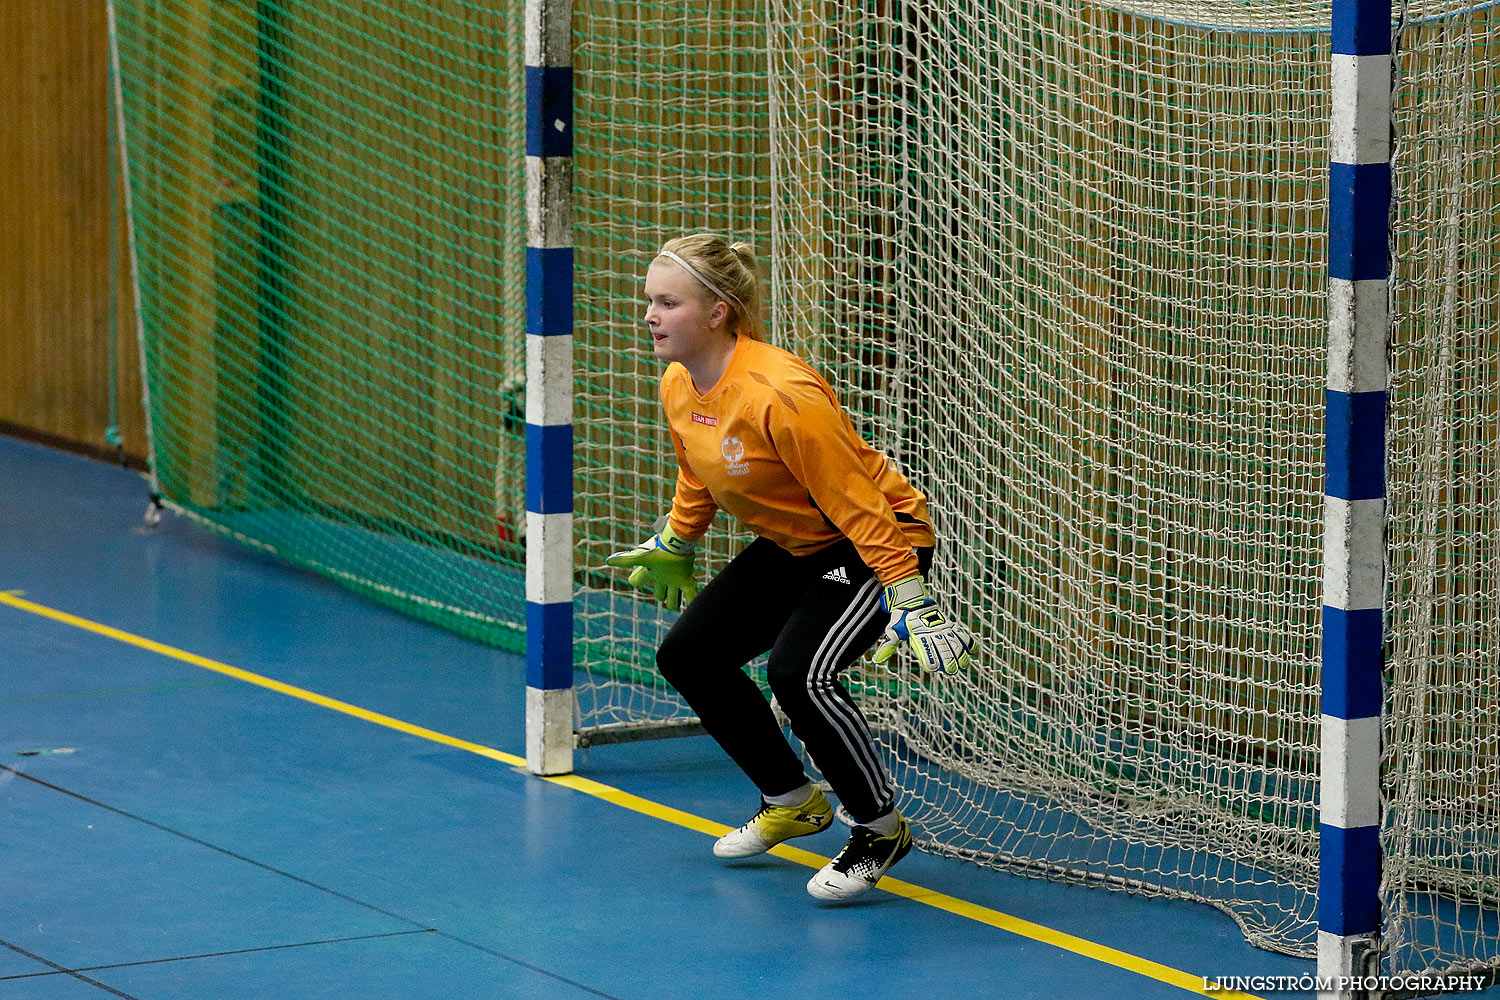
(1354, 493)
(549, 387)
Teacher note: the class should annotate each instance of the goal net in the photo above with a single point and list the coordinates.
(1066, 260)
(1063, 260)
(671, 136)
(1440, 889)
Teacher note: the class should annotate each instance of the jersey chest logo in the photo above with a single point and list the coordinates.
(699, 418)
(734, 452)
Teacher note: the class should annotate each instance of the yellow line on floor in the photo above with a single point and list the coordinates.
(259, 681)
(916, 893)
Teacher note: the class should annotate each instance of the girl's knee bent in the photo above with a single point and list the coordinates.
(788, 679)
(673, 657)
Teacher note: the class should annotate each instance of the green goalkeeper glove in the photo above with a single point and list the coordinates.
(939, 644)
(664, 565)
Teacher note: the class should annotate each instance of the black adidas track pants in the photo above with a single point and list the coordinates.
(816, 615)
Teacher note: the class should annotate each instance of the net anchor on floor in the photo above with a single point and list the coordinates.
(630, 732)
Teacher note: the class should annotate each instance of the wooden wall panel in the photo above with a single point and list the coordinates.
(55, 315)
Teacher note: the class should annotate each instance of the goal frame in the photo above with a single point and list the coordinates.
(549, 387)
(1354, 510)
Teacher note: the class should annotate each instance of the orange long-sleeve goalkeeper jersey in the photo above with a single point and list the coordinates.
(770, 445)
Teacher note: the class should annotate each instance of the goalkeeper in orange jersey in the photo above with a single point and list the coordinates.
(843, 544)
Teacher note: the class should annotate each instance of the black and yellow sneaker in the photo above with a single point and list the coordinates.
(861, 863)
(773, 824)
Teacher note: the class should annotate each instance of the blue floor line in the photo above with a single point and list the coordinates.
(69, 977)
(209, 954)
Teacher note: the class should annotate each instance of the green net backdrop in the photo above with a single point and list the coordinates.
(331, 255)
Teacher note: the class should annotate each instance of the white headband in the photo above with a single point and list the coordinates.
(701, 279)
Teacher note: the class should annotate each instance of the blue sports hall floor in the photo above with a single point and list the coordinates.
(221, 777)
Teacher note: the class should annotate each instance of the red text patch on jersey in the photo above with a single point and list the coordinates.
(699, 418)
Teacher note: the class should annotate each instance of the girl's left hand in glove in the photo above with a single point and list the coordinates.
(937, 642)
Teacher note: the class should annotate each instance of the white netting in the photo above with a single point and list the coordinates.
(1066, 263)
(670, 119)
(1441, 844)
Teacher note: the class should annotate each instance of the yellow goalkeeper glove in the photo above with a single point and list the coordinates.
(939, 644)
(662, 564)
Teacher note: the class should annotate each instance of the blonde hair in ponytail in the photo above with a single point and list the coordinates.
(729, 268)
